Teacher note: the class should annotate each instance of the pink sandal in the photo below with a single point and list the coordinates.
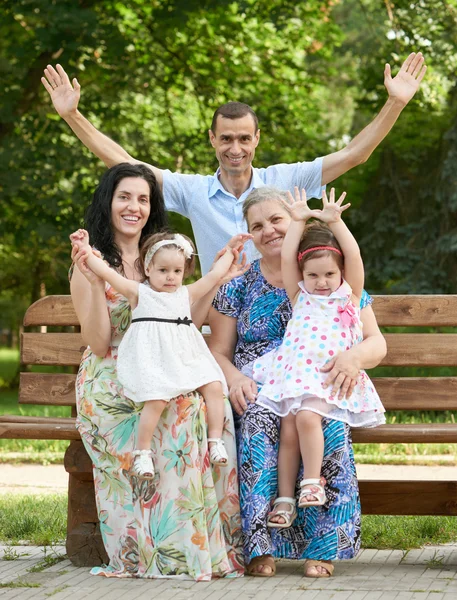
(311, 487)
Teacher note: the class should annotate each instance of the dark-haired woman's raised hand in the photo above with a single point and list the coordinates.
(64, 94)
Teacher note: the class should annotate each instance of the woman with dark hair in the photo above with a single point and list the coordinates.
(181, 523)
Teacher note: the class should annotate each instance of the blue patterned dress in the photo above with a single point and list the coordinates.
(324, 532)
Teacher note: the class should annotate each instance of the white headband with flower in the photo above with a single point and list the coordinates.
(178, 240)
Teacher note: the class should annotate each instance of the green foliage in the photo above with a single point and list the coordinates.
(152, 74)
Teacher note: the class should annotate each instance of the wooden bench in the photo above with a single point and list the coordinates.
(64, 348)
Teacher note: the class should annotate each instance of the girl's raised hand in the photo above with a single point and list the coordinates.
(79, 257)
(331, 210)
(236, 268)
(80, 238)
(299, 209)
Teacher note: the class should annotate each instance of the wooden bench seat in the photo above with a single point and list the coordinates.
(405, 349)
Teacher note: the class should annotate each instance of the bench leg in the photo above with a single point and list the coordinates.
(84, 542)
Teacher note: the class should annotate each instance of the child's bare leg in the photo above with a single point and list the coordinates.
(143, 466)
(311, 437)
(149, 418)
(213, 395)
(288, 464)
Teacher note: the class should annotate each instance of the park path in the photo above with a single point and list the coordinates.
(427, 574)
(38, 479)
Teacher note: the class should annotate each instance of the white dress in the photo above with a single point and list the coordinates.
(320, 328)
(160, 360)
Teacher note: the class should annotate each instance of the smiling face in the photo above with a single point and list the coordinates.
(165, 272)
(268, 222)
(130, 207)
(321, 276)
(235, 141)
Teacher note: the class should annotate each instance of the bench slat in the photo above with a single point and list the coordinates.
(51, 310)
(62, 349)
(31, 419)
(393, 311)
(55, 389)
(403, 349)
(397, 393)
(39, 431)
(408, 433)
(421, 350)
(417, 393)
(416, 311)
(396, 497)
(64, 429)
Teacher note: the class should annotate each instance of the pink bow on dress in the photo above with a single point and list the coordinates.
(348, 314)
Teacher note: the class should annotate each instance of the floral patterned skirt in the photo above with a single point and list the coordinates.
(186, 522)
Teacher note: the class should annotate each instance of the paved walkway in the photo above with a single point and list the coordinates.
(428, 574)
(38, 479)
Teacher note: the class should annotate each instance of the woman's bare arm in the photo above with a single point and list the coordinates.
(88, 295)
(222, 343)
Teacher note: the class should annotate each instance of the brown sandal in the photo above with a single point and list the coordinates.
(266, 561)
(318, 563)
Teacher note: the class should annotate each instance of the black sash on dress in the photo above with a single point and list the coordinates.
(178, 321)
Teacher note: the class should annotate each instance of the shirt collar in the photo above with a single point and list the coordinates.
(216, 185)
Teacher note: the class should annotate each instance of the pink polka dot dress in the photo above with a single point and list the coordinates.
(321, 327)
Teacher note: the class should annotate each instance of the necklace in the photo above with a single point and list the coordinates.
(274, 277)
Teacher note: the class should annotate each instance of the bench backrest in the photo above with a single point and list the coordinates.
(405, 349)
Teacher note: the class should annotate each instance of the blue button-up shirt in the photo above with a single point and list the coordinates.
(216, 215)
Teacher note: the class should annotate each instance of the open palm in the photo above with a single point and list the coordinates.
(298, 206)
(64, 95)
(405, 84)
(331, 209)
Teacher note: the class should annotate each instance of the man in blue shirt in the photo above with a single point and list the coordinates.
(213, 203)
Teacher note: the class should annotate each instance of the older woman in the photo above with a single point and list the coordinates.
(248, 319)
(181, 523)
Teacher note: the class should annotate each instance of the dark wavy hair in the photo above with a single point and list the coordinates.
(98, 214)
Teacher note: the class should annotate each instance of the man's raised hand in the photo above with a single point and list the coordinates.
(64, 94)
(406, 82)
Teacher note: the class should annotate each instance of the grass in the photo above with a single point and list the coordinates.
(41, 521)
(38, 519)
(405, 533)
(19, 584)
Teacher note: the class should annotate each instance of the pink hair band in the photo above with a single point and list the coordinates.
(314, 248)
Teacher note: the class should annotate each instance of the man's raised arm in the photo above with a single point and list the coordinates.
(401, 89)
(65, 98)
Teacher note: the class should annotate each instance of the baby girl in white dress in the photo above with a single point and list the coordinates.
(163, 354)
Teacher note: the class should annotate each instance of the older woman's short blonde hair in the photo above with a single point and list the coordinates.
(264, 194)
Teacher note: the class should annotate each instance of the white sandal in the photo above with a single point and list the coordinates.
(142, 466)
(307, 486)
(217, 452)
(289, 516)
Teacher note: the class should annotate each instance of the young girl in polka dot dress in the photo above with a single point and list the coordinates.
(325, 321)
